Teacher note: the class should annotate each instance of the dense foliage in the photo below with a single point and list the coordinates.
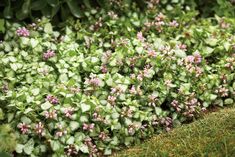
(59, 10)
(113, 79)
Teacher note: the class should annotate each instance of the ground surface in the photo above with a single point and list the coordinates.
(211, 136)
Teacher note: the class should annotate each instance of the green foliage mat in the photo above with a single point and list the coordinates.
(91, 86)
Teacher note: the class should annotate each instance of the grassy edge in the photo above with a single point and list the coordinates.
(212, 135)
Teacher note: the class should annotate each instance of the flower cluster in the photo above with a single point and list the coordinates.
(52, 99)
(48, 54)
(23, 32)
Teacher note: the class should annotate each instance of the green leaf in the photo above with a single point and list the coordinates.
(63, 78)
(34, 43)
(25, 120)
(74, 8)
(8, 12)
(87, 3)
(46, 105)
(19, 148)
(1, 114)
(53, 3)
(213, 97)
(46, 11)
(226, 46)
(35, 91)
(158, 110)
(84, 148)
(29, 146)
(107, 151)
(55, 10)
(2, 27)
(228, 101)
(38, 4)
(85, 107)
(24, 11)
(70, 140)
(180, 53)
(48, 28)
(55, 145)
(74, 125)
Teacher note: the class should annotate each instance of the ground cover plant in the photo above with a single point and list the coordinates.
(113, 78)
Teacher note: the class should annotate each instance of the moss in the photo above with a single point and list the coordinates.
(213, 135)
(7, 139)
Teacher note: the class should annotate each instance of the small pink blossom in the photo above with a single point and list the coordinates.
(75, 89)
(197, 58)
(182, 47)
(71, 150)
(132, 76)
(93, 81)
(131, 129)
(140, 77)
(190, 59)
(39, 129)
(24, 128)
(140, 37)
(112, 99)
(51, 114)
(88, 127)
(133, 90)
(104, 68)
(68, 112)
(174, 23)
(22, 32)
(160, 17)
(52, 99)
(152, 53)
(48, 54)
(61, 131)
(103, 136)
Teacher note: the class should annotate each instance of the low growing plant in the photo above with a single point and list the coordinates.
(113, 80)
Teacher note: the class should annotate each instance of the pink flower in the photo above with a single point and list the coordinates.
(51, 114)
(152, 53)
(133, 90)
(68, 112)
(75, 89)
(39, 128)
(111, 99)
(140, 77)
(182, 47)
(48, 54)
(190, 59)
(93, 81)
(24, 128)
(131, 129)
(197, 58)
(22, 32)
(52, 99)
(174, 23)
(140, 36)
(160, 17)
(71, 150)
(61, 131)
(88, 127)
(104, 69)
(103, 136)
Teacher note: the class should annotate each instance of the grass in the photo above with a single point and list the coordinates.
(211, 136)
